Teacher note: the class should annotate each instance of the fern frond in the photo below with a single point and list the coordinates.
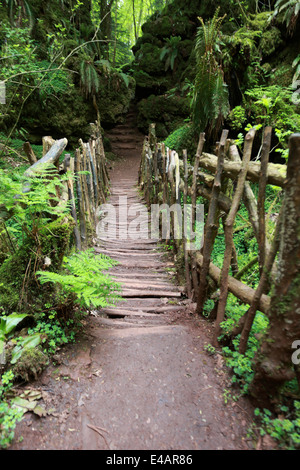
(210, 98)
(84, 276)
(89, 78)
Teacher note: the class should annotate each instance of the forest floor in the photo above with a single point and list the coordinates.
(139, 377)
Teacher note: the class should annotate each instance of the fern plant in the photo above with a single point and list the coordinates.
(290, 10)
(296, 66)
(210, 98)
(83, 275)
(89, 77)
(20, 11)
(109, 72)
(170, 51)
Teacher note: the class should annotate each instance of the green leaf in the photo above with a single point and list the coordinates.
(28, 342)
(12, 321)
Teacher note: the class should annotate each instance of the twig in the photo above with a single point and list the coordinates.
(98, 430)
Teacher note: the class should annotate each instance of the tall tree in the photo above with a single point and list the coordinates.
(106, 25)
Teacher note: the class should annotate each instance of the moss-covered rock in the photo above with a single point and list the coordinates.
(147, 84)
(30, 365)
(148, 58)
(270, 41)
(114, 98)
(56, 239)
(168, 112)
(71, 115)
(162, 27)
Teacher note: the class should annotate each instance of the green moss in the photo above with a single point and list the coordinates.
(270, 41)
(260, 21)
(160, 27)
(283, 305)
(148, 58)
(55, 240)
(30, 364)
(282, 75)
(182, 138)
(4, 249)
(149, 82)
(170, 111)
(18, 285)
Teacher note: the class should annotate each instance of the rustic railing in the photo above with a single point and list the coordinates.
(88, 185)
(223, 180)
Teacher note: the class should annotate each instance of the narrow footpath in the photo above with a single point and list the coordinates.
(140, 377)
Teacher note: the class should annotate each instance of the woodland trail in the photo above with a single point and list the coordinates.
(139, 378)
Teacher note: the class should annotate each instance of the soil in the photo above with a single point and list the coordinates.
(139, 377)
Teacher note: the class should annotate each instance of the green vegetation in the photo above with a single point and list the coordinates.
(45, 288)
(85, 279)
(189, 67)
(210, 100)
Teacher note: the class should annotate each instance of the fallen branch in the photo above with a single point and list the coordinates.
(50, 158)
(262, 196)
(276, 174)
(240, 290)
(261, 288)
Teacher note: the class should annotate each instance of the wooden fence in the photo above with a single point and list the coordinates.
(223, 180)
(88, 184)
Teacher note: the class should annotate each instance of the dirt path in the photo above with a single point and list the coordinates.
(140, 377)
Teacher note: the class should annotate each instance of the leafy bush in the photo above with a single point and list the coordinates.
(272, 105)
(35, 223)
(285, 428)
(9, 416)
(182, 138)
(8, 325)
(237, 117)
(54, 332)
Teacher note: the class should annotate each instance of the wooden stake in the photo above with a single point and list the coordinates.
(186, 253)
(262, 196)
(211, 226)
(229, 233)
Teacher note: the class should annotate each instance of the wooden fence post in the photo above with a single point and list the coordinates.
(211, 226)
(229, 233)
